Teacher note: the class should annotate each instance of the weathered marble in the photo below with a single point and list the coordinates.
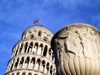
(77, 51)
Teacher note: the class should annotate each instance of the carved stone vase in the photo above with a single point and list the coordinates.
(77, 50)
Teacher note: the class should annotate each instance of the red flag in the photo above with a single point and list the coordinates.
(35, 21)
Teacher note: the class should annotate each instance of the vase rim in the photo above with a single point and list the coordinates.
(75, 24)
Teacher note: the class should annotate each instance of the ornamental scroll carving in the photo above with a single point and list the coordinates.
(76, 49)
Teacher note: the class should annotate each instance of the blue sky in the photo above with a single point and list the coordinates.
(17, 15)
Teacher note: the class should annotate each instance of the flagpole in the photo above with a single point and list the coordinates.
(38, 21)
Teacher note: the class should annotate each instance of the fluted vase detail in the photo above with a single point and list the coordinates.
(79, 66)
(76, 48)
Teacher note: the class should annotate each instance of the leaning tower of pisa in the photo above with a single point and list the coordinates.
(33, 54)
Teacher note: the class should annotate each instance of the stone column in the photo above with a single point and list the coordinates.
(24, 62)
(47, 53)
(23, 48)
(39, 50)
(42, 51)
(29, 66)
(51, 55)
(27, 48)
(18, 49)
(13, 65)
(35, 65)
(32, 51)
(19, 62)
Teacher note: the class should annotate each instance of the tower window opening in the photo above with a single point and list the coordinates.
(27, 60)
(38, 62)
(24, 37)
(45, 39)
(16, 64)
(47, 66)
(30, 32)
(11, 67)
(30, 47)
(41, 46)
(43, 63)
(45, 51)
(33, 60)
(17, 73)
(26, 47)
(31, 44)
(24, 73)
(12, 73)
(50, 51)
(21, 62)
(51, 70)
(32, 36)
(29, 74)
(52, 56)
(39, 33)
(21, 48)
(16, 52)
(36, 45)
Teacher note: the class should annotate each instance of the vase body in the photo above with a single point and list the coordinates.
(76, 49)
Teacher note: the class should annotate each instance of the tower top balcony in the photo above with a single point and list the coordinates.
(37, 32)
